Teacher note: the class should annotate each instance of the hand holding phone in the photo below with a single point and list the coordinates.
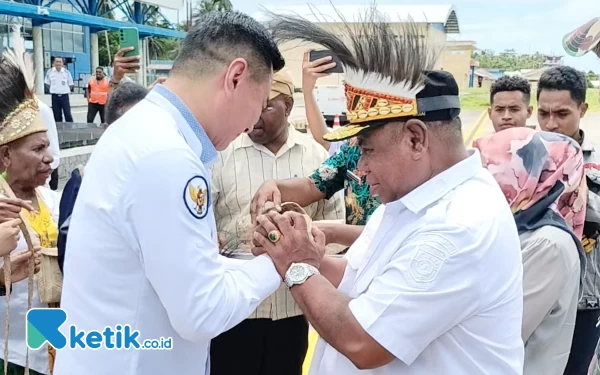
(313, 69)
(315, 57)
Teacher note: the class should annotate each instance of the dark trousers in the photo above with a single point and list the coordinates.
(585, 339)
(261, 347)
(61, 104)
(93, 109)
(54, 180)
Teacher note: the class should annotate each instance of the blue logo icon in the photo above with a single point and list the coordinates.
(43, 325)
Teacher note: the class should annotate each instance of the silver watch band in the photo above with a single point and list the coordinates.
(312, 270)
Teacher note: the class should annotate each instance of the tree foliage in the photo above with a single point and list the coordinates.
(106, 55)
(207, 6)
(158, 48)
(509, 60)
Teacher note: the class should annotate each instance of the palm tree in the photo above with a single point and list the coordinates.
(207, 6)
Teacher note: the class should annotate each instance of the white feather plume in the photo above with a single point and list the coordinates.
(20, 58)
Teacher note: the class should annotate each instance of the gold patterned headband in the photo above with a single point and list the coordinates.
(23, 121)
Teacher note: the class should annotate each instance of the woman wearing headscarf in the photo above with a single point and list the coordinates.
(542, 177)
(25, 159)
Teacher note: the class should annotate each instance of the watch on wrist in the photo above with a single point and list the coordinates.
(298, 273)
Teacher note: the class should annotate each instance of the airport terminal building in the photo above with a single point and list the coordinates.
(69, 29)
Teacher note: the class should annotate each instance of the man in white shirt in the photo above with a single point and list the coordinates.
(274, 338)
(60, 82)
(433, 285)
(143, 221)
(48, 119)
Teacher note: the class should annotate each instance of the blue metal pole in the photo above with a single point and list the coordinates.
(93, 7)
(138, 14)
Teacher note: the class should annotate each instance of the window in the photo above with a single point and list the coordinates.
(46, 37)
(63, 37)
(68, 42)
(78, 42)
(56, 36)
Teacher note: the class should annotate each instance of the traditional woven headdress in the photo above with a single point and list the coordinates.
(385, 66)
(19, 117)
(19, 110)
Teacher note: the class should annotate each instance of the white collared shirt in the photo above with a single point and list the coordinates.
(59, 82)
(142, 249)
(241, 169)
(48, 119)
(436, 279)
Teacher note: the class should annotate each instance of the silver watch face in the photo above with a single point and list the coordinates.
(298, 273)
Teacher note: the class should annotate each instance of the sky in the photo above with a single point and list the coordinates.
(526, 26)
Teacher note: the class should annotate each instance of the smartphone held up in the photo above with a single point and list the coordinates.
(129, 37)
(316, 55)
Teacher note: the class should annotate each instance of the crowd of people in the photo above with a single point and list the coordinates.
(406, 251)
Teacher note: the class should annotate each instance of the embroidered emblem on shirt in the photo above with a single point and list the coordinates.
(430, 258)
(196, 197)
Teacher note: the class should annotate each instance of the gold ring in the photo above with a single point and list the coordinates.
(274, 236)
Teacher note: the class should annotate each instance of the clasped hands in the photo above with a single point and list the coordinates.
(288, 238)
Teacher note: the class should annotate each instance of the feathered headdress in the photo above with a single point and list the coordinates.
(19, 117)
(584, 39)
(385, 65)
(19, 110)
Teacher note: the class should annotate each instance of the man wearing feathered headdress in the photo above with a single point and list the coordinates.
(433, 285)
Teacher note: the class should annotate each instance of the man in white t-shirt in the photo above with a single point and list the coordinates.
(433, 285)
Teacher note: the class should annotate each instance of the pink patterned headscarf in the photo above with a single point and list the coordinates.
(541, 175)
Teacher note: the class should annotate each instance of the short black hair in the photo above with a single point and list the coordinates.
(506, 83)
(100, 68)
(564, 78)
(218, 38)
(122, 98)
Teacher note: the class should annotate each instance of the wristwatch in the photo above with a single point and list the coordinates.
(298, 273)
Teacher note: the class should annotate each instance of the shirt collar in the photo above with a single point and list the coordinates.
(293, 139)
(436, 188)
(586, 145)
(208, 152)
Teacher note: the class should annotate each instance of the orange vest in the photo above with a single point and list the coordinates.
(99, 91)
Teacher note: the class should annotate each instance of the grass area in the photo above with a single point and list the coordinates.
(479, 99)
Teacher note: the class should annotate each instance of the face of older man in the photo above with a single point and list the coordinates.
(273, 120)
(58, 63)
(395, 159)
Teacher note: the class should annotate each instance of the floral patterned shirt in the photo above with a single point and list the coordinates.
(332, 176)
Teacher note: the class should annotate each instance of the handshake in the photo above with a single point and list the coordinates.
(288, 236)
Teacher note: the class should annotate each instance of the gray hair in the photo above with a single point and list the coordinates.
(122, 98)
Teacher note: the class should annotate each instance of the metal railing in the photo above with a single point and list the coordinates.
(77, 134)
